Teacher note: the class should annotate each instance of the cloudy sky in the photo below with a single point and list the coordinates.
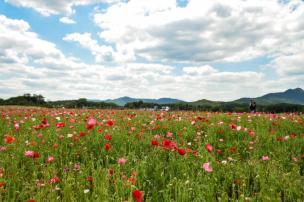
(186, 49)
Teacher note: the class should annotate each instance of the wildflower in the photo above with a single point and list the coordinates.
(107, 147)
(54, 180)
(2, 149)
(32, 154)
(89, 179)
(169, 144)
(31, 200)
(207, 167)
(110, 122)
(251, 133)
(181, 152)
(122, 161)
(157, 136)
(16, 126)
(154, 142)
(9, 139)
(233, 126)
(108, 137)
(50, 159)
(76, 167)
(86, 191)
(60, 125)
(137, 195)
(169, 134)
(2, 184)
(111, 172)
(209, 148)
(82, 134)
(265, 158)
(91, 123)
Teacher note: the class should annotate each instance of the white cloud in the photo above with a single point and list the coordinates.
(67, 20)
(55, 7)
(46, 70)
(200, 34)
(101, 53)
(203, 31)
(18, 44)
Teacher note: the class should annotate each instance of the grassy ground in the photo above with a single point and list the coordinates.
(100, 155)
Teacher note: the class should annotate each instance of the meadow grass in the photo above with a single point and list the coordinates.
(252, 157)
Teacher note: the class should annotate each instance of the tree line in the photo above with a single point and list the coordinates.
(39, 100)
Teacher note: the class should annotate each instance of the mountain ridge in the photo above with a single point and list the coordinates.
(290, 96)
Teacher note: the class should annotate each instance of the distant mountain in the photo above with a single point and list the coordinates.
(205, 102)
(290, 96)
(124, 100)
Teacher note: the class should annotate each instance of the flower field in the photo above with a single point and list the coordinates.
(124, 155)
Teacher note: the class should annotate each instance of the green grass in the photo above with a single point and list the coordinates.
(238, 174)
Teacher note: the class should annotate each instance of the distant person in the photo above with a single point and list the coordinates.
(252, 106)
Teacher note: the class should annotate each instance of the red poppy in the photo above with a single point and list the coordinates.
(9, 139)
(137, 195)
(108, 137)
(107, 147)
(181, 152)
(31, 200)
(169, 144)
(154, 142)
(54, 180)
(111, 172)
(233, 126)
(209, 148)
(60, 124)
(232, 149)
(2, 184)
(110, 122)
(89, 179)
(82, 134)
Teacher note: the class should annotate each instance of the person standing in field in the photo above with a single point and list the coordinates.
(252, 106)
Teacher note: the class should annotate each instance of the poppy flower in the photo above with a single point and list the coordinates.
(60, 125)
(111, 172)
(108, 137)
(107, 147)
(2, 184)
(209, 148)
(31, 200)
(207, 167)
(265, 158)
(89, 179)
(169, 144)
(16, 126)
(81, 134)
(169, 134)
(32, 154)
(251, 133)
(154, 142)
(110, 122)
(91, 123)
(181, 152)
(122, 161)
(137, 195)
(54, 180)
(9, 139)
(50, 159)
(233, 126)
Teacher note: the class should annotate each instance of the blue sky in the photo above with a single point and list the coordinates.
(183, 49)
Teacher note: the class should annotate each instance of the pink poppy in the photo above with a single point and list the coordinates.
(207, 167)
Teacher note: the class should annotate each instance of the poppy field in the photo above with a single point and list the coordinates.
(133, 155)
